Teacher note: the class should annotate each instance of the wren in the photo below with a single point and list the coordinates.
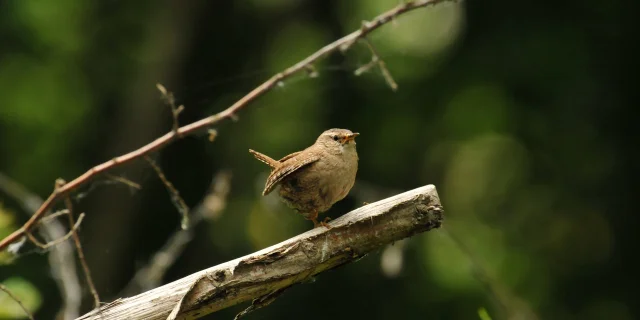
(312, 180)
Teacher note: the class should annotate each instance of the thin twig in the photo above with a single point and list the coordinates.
(366, 67)
(341, 44)
(376, 60)
(261, 302)
(8, 292)
(123, 180)
(52, 217)
(76, 239)
(59, 240)
(177, 200)
(110, 180)
(210, 208)
(61, 258)
(171, 102)
(507, 302)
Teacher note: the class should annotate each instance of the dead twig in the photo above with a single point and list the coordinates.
(52, 217)
(59, 240)
(124, 181)
(230, 113)
(76, 239)
(210, 208)
(10, 294)
(171, 102)
(61, 257)
(177, 200)
(376, 60)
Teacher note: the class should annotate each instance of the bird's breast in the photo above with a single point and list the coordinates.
(321, 184)
(337, 176)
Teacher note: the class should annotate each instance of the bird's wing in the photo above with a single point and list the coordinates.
(293, 164)
(289, 156)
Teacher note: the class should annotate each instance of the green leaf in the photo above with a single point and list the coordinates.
(26, 292)
(483, 314)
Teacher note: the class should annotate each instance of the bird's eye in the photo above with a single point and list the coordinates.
(335, 138)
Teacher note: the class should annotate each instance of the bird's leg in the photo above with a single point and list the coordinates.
(313, 216)
(325, 224)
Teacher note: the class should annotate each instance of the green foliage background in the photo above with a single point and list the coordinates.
(519, 112)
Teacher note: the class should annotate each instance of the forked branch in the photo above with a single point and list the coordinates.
(263, 275)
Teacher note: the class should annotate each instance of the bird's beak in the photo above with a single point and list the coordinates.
(350, 137)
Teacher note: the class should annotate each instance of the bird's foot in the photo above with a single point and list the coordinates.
(313, 217)
(325, 224)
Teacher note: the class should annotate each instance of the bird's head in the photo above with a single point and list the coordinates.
(338, 139)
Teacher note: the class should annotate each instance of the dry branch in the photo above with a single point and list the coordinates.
(61, 257)
(210, 208)
(305, 65)
(264, 274)
(59, 240)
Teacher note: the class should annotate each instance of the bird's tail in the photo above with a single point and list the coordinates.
(264, 158)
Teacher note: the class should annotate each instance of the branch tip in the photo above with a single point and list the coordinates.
(176, 199)
(311, 71)
(213, 133)
(162, 89)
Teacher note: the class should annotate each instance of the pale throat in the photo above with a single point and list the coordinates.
(348, 148)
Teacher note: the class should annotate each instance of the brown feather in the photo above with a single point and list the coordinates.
(266, 159)
(289, 156)
(283, 171)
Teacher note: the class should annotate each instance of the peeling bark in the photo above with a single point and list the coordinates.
(264, 275)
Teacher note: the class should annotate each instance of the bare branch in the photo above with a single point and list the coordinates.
(230, 113)
(76, 239)
(59, 240)
(150, 276)
(262, 274)
(177, 200)
(123, 180)
(6, 290)
(52, 217)
(376, 60)
(61, 258)
(171, 102)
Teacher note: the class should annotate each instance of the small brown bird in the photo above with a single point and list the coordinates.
(313, 179)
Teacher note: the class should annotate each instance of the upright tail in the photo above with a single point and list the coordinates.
(264, 158)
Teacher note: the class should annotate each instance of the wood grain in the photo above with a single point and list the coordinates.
(262, 275)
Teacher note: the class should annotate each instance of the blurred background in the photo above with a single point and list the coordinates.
(519, 112)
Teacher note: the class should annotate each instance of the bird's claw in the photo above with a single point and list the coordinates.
(321, 223)
(325, 224)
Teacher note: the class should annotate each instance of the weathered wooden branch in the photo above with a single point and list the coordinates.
(264, 274)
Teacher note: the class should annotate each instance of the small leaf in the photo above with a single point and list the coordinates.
(25, 291)
(483, 314)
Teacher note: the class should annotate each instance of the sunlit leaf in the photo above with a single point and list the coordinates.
(26, 292)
